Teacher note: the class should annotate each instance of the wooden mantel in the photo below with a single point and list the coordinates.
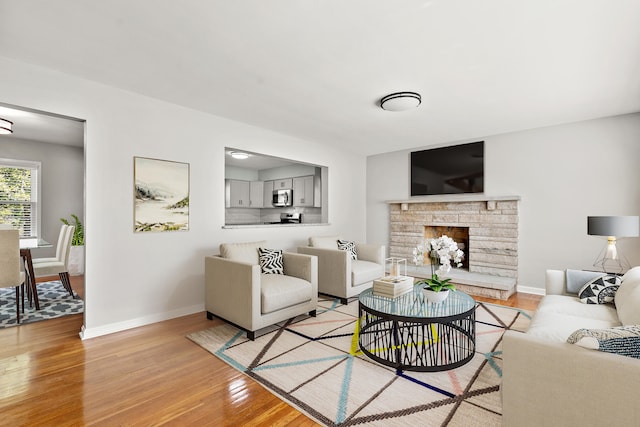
(468, 197)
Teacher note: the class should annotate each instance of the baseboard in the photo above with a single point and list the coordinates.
(531, 290)
(87, 333)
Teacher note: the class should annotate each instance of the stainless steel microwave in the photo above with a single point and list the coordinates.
(282, 198)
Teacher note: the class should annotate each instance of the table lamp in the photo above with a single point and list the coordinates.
(613, 227)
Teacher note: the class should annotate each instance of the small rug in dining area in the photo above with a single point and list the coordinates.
(54, 299)
(315, 365)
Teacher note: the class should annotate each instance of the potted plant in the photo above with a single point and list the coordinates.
(442, 251)
(76, 253)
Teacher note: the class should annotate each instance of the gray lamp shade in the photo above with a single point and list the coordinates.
(616, 226)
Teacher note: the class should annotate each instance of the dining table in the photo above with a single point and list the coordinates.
(25, 253)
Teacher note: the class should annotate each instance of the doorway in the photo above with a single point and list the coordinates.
(56, 144)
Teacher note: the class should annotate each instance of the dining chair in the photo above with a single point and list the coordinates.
(59, 265)
(10, 274)
(59, 247)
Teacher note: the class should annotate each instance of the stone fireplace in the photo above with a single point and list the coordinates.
(486, 226)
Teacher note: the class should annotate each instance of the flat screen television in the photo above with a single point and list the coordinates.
(448, 170)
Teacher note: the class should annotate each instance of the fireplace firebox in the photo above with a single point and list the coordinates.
(459, 234)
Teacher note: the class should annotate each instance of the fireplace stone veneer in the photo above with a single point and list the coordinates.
(492, 251)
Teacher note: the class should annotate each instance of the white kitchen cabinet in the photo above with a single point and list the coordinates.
(303, 191)
(282, 184)
(256, 194)
(244, 194)
(267, 201)
(238, 194)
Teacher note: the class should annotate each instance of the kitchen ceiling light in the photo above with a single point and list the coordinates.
(5, 127)
(400, 101)
(239, 155)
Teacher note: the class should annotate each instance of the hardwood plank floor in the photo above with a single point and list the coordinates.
(518, 300)
(150, 375)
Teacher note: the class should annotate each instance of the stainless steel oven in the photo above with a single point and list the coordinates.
(291, 218)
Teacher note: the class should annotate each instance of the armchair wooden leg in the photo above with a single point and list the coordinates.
(250, 334)
(312, 313)
(344, 301)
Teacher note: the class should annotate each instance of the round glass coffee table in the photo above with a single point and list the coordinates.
(410, 333)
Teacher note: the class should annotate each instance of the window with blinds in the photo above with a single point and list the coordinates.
(19, 195)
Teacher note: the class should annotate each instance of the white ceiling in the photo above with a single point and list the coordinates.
(317, 69)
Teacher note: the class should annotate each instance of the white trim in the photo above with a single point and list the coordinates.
(87, 333)
(20, 163)
(531, 290)
(37, 166)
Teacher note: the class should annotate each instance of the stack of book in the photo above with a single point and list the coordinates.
(392, 286)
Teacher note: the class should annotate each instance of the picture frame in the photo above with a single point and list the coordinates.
(160, 195)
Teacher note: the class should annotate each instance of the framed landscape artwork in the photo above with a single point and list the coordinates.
(161, 195)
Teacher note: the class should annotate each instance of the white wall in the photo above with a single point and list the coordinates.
(134, 279)
(233, 172)
(562, 173)
(62, 183)
(286, 172)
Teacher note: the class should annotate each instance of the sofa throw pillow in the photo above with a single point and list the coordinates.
(271, 261)
(345, 245)
(324, 242)
(600, 290)
(623, 340)
(242, 252)
(628, 298)
(576, 279)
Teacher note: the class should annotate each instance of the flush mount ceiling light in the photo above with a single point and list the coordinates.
(5, 127)
(400, 101)
(239, 155)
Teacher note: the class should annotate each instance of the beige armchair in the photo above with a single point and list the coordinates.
(238, 292)
(338, 274)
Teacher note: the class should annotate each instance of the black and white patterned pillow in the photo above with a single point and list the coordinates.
(624, 340)
(600, 290)
(345, 245)
(271, 261)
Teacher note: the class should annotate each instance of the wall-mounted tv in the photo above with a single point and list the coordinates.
(448, 170)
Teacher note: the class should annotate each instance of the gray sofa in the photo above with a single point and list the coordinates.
(549, 382)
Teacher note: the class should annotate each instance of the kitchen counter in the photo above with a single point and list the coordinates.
(276, 225)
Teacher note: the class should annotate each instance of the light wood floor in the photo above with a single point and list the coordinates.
(150, 375)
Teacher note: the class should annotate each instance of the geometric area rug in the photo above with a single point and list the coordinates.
(54, 300)
(316, 366)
